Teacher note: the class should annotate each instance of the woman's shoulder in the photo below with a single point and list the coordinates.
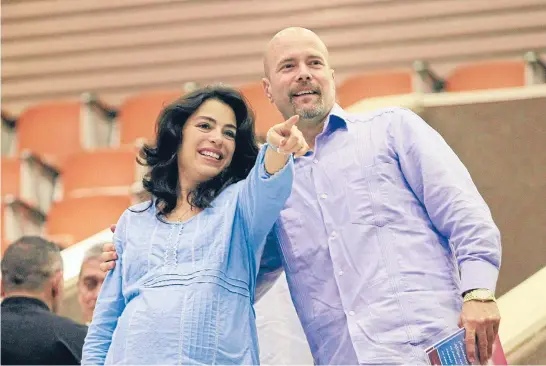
(136, 217)
(142, 206)
(142, 209)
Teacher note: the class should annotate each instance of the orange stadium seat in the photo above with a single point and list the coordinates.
(486, 75)
(267, 114)
(26, 178)
(51, 130)
(75, 219)
(11, 176)
(374, 84)
(138, 114)
(108, 171)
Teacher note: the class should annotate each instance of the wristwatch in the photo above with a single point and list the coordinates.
(480, 294)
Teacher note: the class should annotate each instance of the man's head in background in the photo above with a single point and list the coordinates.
(298, 77)
(90, 281)
(33, 267)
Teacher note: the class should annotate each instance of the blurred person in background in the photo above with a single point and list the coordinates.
(183, 289)
(32, 284)
(90, 281)
(386, 243)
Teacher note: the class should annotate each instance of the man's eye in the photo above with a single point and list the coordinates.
(91, 284)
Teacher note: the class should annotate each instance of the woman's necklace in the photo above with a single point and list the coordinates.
(181, 217)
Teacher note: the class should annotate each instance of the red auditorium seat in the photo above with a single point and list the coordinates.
(11, 176)
(52, 130)
(75, 219)
(486, 75)
(101, 171)
(374, 84)
(138, 114)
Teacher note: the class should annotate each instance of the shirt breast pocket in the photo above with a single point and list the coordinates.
(367, 190)
(292, 246)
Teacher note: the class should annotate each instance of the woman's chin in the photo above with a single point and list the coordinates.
(208, 172)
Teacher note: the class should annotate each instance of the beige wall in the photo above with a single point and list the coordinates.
(502, 145)
(58, 49)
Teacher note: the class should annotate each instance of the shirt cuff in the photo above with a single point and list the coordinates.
(263, 173)
(478, 274)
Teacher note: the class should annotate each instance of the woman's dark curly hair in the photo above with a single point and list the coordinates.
(162, 157)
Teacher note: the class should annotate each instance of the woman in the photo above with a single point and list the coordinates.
(182, 289)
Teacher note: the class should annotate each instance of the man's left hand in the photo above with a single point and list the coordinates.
(480, 319)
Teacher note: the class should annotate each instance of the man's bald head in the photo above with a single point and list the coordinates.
(291, 35)
(298, 78)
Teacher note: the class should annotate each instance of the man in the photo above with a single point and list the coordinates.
(32, 283)
(386, 243)
(90, 281)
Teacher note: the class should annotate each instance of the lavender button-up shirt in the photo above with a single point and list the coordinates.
(382, 233)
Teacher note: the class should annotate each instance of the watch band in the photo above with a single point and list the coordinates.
(483, 295)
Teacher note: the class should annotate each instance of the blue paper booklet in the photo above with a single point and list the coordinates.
(449, 351)
(452, 351)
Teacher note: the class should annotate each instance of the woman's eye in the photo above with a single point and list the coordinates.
(204, 126)
(230, 134)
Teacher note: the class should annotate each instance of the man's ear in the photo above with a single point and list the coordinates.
(57, 284)
(267, 89)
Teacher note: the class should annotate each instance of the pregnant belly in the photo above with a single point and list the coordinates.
(200, 323)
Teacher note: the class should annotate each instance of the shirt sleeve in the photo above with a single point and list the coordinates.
(444, 186)
(109, 307)
(262, 198)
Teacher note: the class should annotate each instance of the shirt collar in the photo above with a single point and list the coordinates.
(336, 119)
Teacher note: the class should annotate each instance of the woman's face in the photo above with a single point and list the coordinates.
(208, 142)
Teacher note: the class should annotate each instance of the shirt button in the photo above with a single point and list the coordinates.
(333, 234)
(315, 161)
(340, 273)
(324, 196)
(351, 313)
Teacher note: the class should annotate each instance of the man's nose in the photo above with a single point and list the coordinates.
(304, 73)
